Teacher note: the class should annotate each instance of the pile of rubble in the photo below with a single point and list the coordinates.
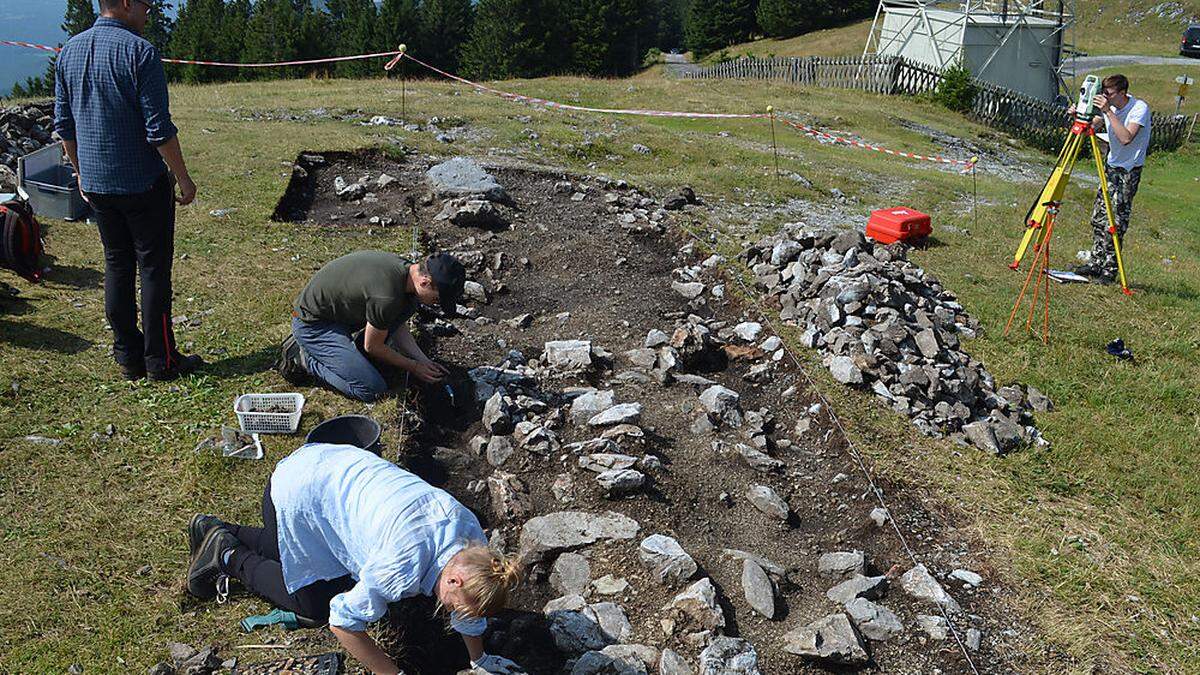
(23, 129)
(884, 324)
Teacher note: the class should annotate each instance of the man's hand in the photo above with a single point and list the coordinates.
(428, 371)
(187, 190)
(497, 665)
(1101, 102)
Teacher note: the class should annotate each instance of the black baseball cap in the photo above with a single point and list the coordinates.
(450, 276)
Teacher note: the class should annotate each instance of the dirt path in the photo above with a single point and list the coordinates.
(1085, 63)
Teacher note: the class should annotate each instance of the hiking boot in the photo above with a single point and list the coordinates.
(199, 528)
(133, 372)
(181, 365)
(205, 569)
(1090, 270)
(291, 365)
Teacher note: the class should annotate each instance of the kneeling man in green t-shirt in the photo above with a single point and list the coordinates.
(375, 292)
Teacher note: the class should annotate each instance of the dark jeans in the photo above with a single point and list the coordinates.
(256, 564)
(138, 232)
(335, 358)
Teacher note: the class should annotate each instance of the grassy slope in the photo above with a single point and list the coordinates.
(1107, 27)
(1102, 27)
(1097, 532)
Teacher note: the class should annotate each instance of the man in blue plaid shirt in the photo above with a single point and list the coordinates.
(112, 112)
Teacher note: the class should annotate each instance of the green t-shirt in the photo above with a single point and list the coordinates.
(359, 288)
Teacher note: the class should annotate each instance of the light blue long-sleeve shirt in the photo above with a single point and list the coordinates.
(342, 510)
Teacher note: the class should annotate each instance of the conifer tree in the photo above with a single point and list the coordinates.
(511, 38)
(80, 16)
(604, 36)
(273, 34)
(197, 35)
(714, 24)
(445, 28)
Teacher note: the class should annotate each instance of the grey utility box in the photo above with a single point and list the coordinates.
(47, 180)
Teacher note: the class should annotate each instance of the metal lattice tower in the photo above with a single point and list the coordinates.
(998, 40)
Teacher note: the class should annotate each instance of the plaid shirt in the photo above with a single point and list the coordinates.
(110, 96)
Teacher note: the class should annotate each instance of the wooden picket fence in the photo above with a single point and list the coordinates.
(1038, 122)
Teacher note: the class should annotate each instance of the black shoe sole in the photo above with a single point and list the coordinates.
(205, 565)
(198, 528)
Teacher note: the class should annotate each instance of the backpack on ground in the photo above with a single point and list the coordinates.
(21, 245)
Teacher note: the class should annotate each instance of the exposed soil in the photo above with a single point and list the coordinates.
(616, 286)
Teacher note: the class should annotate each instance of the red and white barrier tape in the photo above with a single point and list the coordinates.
(807, 130)
(967, 164)
(222, 64)
(566, 106)
(398, 55)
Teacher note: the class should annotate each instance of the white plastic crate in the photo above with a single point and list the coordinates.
(269, 413)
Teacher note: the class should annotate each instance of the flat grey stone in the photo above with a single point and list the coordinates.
(642, 358)
(843, 370)
(768, 501)
(718, 399)
(759, 460)
(571, 530)
(599, 663)
(463, 176)
(568, 354)
(587, 406)
(967, 577)
(572, 573)
(768, 566)
(499, 449)
(927, 342)
(634, 656)
(606, 461)
(576, 632)
(920, 584)
(934, 626)
(758, 589)
(671, 663)
(858, 586)
(748, 331)
(620, 482)
(624, 413)
(656, 338)
(982, 436)
(729, 656)
(666, 559)
(831, 639)
(689, 290)
(841, 563)
(875, 622)
(613, 622)
(610, 585)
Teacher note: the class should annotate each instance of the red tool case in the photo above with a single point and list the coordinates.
(888, 226)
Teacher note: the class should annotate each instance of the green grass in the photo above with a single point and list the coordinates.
(1108, 512)
(1110, 27)
(1157, 85)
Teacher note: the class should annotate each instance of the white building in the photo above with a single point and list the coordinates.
(1018, 45)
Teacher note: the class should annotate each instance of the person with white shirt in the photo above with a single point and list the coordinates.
(344, 534)
(1127, 121)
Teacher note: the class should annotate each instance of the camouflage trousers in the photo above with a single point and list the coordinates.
(1122, 186)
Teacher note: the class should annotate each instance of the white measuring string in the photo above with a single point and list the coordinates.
(858, 458)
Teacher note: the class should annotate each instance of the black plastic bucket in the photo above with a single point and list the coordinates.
(357, 430)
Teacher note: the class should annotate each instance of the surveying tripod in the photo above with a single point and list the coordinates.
(1041, 214)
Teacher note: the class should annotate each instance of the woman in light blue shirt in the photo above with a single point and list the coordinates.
(344, 534)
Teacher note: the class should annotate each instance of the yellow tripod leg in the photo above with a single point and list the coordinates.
(1108, 210)
(1052, 192)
